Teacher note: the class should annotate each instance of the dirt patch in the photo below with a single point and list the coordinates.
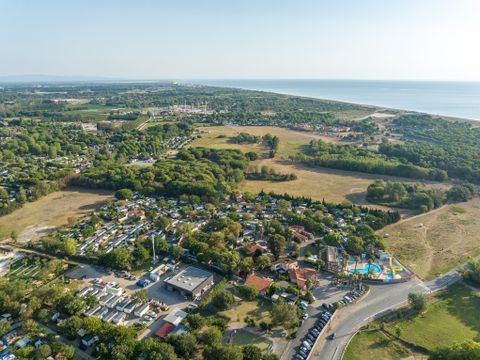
(38, 218)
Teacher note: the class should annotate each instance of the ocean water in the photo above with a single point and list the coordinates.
(450, 98)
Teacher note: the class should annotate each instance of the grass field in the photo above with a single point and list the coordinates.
(376, 345)
(317, 183)
(450, 317)
(36, 218)
(242, 337)
(258, 310)
(433, 243)
(291, 142)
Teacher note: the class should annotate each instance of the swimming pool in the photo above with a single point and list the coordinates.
(366, 269)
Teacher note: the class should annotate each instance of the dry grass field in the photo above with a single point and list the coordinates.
(317, 183)
(291, 142)
(433, 243)
(37, 218)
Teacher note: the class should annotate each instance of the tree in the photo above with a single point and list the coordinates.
(43, 352)
(67, 351)
(417, 301)
(69, 246)
(184, 344)
(195, 321)
(212, 336)
(4, 327)
(251, 352)
(472, 272)
(285, 314)
(152, 349)
(249, 292)
(219, 352)
(119, 258)
(71, 305)
(140, 295)
(262, 262)
(246, 265)
(21, 196)
(354, 245)
(467, 350)
(223, 300)
(124, 194)
(71, 326)
(276, 243)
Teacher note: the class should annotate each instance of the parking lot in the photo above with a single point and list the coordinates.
(155, 290)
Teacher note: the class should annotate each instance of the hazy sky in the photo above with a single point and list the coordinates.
(182, 39)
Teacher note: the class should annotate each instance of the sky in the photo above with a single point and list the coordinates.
(247, 39)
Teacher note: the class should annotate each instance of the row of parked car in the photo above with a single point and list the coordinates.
(309, 340)
(351, 296)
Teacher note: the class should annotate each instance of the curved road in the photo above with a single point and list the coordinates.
(380, 300)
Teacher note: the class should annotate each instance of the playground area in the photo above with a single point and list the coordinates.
(386, 268)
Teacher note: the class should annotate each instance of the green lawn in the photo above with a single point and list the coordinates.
(243, 337)
(374, 344)
(451, 316)
(258, 310)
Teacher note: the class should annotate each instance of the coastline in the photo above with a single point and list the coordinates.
(300, 93)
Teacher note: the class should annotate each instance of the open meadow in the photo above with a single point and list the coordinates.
(433, 243)
(317, 183)
(447, 319)
(35, 219)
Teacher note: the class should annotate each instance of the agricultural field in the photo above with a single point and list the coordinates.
(448, 319)
(433, 243)
(37, 218)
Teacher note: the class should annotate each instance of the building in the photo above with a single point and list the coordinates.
(332, 260)
(171, 323)
(299, 276)
(142, 310)
(192, 282)
(282, 266)
(254, 249)
(258, 282)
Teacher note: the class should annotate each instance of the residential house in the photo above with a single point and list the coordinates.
(258, 282)
(299, 276)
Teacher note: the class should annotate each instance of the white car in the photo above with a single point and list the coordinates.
(305, 316)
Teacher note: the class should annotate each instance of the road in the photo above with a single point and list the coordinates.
(79, 352)
(381, 299)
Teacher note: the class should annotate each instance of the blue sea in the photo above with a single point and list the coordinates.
(450, 98)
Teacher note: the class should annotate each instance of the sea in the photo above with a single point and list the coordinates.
(449, 98)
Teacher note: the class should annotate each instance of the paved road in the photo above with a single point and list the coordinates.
(79, 352)
(380, 300)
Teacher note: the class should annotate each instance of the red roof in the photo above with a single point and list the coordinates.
(252, 248)
(300, 275)
(260, 283)
(165, 329)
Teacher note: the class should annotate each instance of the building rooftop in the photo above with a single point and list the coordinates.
(190, 278)
(260, 283)
(175, 317)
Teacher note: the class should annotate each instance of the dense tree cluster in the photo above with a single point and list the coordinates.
(408, 196)
(354, 158)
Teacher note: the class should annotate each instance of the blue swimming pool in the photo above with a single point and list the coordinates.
(366, 268)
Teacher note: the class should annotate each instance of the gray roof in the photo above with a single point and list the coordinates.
(190, 278)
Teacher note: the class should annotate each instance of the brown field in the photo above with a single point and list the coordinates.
(433, 243)
(38, 218)
(317, 183)
(322, 183)
(291, 142)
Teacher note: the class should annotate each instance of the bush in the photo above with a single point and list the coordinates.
(248, 292)
(223, 300)
(124, 194)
